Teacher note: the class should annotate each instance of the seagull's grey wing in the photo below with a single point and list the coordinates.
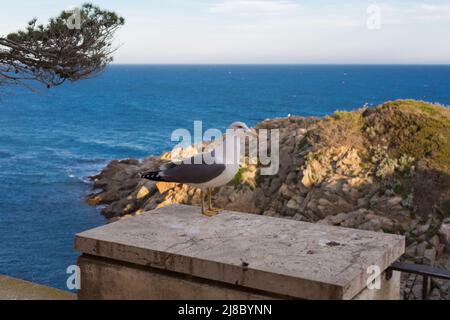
(194, 170)
(192, 173)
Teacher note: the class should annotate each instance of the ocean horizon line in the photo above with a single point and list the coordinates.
(286, 64)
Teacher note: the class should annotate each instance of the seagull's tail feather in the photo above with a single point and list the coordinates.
(153, 176)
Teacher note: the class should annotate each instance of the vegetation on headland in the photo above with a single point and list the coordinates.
(405, 143)
(405, 128)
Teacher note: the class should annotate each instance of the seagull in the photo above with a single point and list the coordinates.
(209, 169)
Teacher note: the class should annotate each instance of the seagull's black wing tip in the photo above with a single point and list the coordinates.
(153, 175)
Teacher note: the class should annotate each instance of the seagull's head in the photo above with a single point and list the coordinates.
(241, 129)
(239, 125)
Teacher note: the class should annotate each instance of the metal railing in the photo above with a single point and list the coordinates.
(425, 271)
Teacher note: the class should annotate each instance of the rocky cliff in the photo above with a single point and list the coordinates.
(384, 169)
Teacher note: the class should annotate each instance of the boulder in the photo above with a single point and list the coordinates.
(313, 174)
(163, 187)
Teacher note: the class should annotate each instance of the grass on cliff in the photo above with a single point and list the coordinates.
(404, 127)
(341, 128)
(405, 142)
(413, 128)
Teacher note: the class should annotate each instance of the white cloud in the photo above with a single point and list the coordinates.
(415, 13)
(269, 31)
(432, 13)
(254, 7)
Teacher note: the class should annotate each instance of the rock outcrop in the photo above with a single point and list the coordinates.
(384, 169)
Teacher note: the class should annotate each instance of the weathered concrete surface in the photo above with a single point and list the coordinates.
(286, 257)
(105, 280)
(15, 289)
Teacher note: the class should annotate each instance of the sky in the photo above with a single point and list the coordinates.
(265, 31)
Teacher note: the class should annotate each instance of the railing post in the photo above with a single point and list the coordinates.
(425, 287)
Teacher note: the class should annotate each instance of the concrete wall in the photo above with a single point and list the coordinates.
(105, 279)
(111, 280)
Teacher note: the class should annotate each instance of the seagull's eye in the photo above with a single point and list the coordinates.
(238, 126)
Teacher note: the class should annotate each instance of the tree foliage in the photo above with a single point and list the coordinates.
(54, 53)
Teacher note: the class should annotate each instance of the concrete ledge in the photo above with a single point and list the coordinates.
(105, 279)
(271, 255)
(15, 289)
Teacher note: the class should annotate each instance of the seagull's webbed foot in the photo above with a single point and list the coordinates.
(210, 211)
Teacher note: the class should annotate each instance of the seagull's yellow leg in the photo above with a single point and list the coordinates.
(202, 200)
(210, 207)
(207, 212)
(209, 199)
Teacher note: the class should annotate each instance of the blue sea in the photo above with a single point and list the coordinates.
(51, 141)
